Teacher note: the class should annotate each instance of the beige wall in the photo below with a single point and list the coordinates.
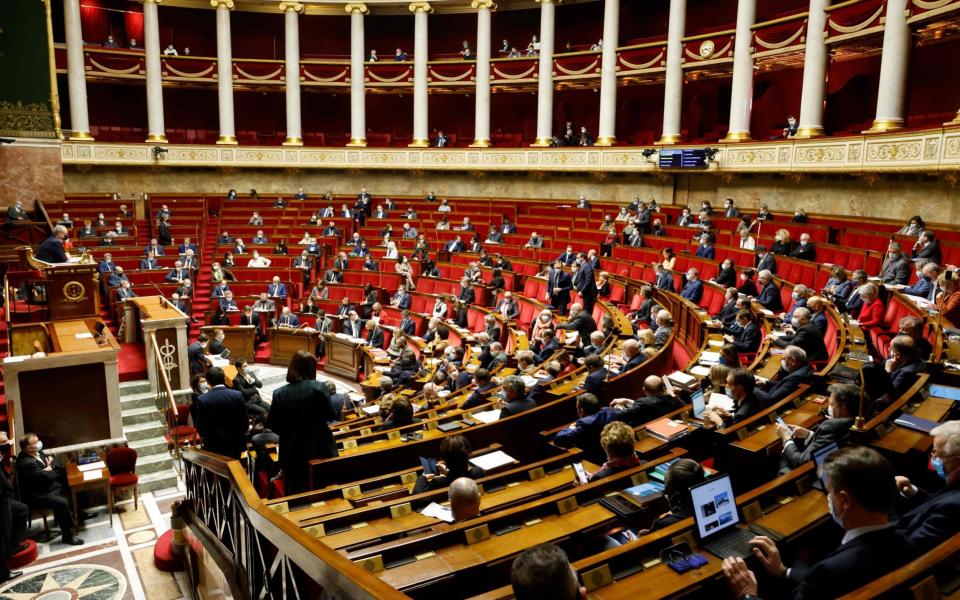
(891, 196)
(29, 171)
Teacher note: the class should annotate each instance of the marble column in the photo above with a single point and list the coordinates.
(228, 135)
(893, 69)
(421, 135)
(545, 74)
(358, 107)
(741, 93)
(291, 48)
(481, 122)
(673, 75)
(607, 132)
(151, 46)
(814, 71)
(76, 73)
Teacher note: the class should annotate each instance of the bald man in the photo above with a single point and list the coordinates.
(464, 496)
(631, 351)
(655, 404)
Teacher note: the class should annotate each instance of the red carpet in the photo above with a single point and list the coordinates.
(133, 362)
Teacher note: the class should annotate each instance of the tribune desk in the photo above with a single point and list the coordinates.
(343, 354)
(285, 342)
(70, 397)
(148, 315)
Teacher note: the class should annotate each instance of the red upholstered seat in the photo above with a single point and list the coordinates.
(163, 556)
(123, 479)
(122, 463)
(24, 557)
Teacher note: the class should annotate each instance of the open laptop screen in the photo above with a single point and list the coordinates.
(698, 402)
(714, 506)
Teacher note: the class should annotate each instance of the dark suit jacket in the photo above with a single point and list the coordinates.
(649, 408)
(807, 337)
(851, 565)
(808, 252)
(562, 284)
(785, 385)
(637, 360)
(748, 339)
(594, 381)
(801, 451)
(376, 338)
(930, 519)
(693, 291)
(517, 406)
(582, 324)
(585, 434)
(749, 407)
(665, 282)
(468, 296)
(584, 281)
(221, 420)
(35, 483)
(768, 263)
(408, 327)
(198, 363)
(547, 351)
(770, 297)
(51, 250)
(299, 415)
(478, 396)
(643, 313)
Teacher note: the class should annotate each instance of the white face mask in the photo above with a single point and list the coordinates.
(39, 445)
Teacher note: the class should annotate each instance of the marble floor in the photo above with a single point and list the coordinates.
(116, 561)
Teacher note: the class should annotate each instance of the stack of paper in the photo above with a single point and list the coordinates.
(709, 358)
(487, 416)
(720, 401)
(492, 460)
(700, 370)
(438, 512)
(94, 466)
(681, 378)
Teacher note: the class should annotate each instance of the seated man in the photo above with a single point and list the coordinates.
(464, 497)
(860, 494)
(806, 336)
(800, 444)
(287, 319)
(593, 383)
(544, 572)
(515, 399)
(482, 380)
(277, 289)
(693, 289)
(793, 371)
(769, 295)
(928, 520)
(898, 373)
(584, 433)
(43, 484)
(657, 402)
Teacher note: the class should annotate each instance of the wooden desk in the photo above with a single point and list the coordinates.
(72, 336)
(146, 315)
(343, 356)
(285, 343)
(240, 340)
(77, 483)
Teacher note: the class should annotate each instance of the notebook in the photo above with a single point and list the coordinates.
(667, 429)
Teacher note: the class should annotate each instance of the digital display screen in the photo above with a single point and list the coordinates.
(682, 159)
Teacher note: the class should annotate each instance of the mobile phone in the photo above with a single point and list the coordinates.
(780, 421)
(581, 474)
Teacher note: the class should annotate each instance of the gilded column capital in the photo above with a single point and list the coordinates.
(150, 1)
(288, 5)
(487, 4)
(416, 7)
(548, 1)
(357, 7)
(218, 3)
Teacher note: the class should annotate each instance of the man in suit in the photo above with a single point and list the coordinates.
(800, 444)
(805, 335)
(117, 277)
(664, 280)
(631, 352)
(912, 327)
(16, 212)
(664, 328)
(656, 403)
(149, 262)
(264, 304)
(861, 491)
(300, 195)
(766, 261)
(197, 355)
(467, 294)
(277, 289)
(559, 285)
(745, 334)
(407, 325)
(454, 245)
(927, 277)
(854, 302)
(484, 385)
(374, 334)
(535, 241)
(769, 296)
(515, 399)
(508, 307)
(586, 286)
(730, 211)
(580, 321)
(804, 250)
(287, 319)
(333, 276)
(401, 299)
(65, 221)
(42, 481)
(550, 345)
(896, 268)
(584, 433)
(180, 303)
(177, 274)
(249, 317)
(635, 239)
(897, 374)
(693, 288)
(88, 230)
(567, 257)
(583, 202)
(926, 519)
(706, 249)
(221, 417)
(467, 225)
(352, 325)
(51, 250)
(794, 371)
(187, 245)
(227, 302)
(597, 374)
(125, 291)
(494, 236)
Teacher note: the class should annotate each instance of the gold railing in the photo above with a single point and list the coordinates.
(165, 401)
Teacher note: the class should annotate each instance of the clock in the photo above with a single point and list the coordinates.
(74, 291)
(706, 49)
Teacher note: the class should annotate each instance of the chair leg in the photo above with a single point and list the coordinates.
(110, 505)
(136, 497)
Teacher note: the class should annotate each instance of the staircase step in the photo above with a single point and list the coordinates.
(134, 387)
(149, 446)
(144, 430)
(161, 480)
(134, 416)
(145, 400)
(152, 463)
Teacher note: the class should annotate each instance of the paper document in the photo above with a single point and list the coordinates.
(492, 460)
(83, 336)
(91, 475)
(487, 416)
(528, 381)
(700, 370)
(681, 377)
(715, 343)
(777, 334)
(94, 466)
(15, 359)
(438, 512)
(371, 409)
(720, 400)
(710, 357)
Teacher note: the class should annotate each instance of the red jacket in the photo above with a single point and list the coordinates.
(871, 315)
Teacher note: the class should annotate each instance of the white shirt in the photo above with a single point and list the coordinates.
(853, 534)
(260, 261)
(748, 243)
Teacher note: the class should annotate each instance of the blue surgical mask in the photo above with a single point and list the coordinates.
(502, 395)
(937, 463)
(833, 512)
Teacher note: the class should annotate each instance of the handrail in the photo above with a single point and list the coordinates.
(43, 211)
(895, 407)
(162, 375)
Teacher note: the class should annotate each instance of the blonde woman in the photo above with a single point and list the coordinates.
(781, 242)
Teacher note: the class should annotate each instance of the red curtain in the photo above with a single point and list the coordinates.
(133, 22)
(95, 21)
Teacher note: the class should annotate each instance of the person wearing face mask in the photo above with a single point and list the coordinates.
(805, 335)
(706, 249)
(766, 261)
(861, 491)
(747, 286)
(928, 519)
(745, 334)
(926, 249)
(799, 296)
(727, 276)
(799, 216)
(804, 250)
(514, 398)
(898, 373)
(914, 227)
(247, 383)
(740, 387)
(872, 309)
(896, 269)
(42, 482)
(792, 126)
(794, 371)
(728, 312)
(693, 288)
(800, 444)
(927, 274)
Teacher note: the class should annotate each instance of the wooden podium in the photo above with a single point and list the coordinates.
(238, 339)
(146, 315)
(285, 342)
(343, 356)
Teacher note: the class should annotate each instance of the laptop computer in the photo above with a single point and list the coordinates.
(718, 520)
(699, 403)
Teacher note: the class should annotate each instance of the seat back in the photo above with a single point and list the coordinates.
(121, 460)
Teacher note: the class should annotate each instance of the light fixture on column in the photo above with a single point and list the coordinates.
(159, 150)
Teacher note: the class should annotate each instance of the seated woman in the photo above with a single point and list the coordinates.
(309, 307)
(454, 462)
(781, 242)
(320, 291)
(617, 439)
(398, 343)
(405, 270)
(747, 285)
(603, 285)
(871, 313)
(443, 224)
(668, 258)
(281, 248)
(839, 287)
(391, 250)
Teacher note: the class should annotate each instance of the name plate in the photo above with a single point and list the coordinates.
(408, 478)
(281, 507)
(597, 578)
(400, 510)
(366, 431)
(393, 436)
(374, 564)
(536, 474)
(349, 444)
(316, 531)
(351, 492)
(477, 534)
(752, 511)
(567, 505)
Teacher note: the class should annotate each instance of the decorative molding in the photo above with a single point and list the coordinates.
(420, 6)
(487, 4)
(290, 5)
(358, 7)
(218, 3)
(936, 150)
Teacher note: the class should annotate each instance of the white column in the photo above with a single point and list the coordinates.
(481, 123)
(421, 135)
(814, 72)
(673, 80)
(545, 74)
(358, 107)
(76, 74)
(151, 46)
(741, 94)
(228, 134)
(893, 68)
(607, 132)
(291, 48)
